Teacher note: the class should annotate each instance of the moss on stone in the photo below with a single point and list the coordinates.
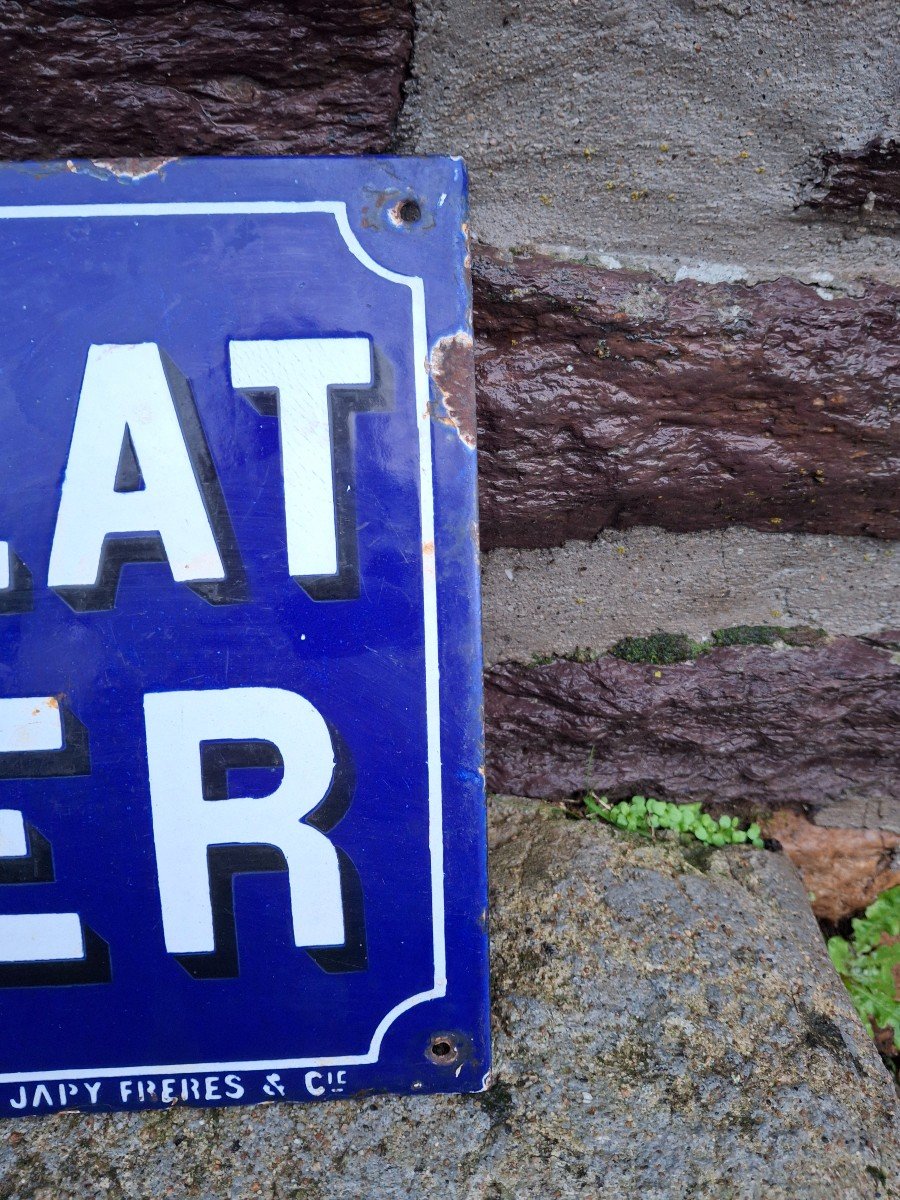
(747, 635)
(661, 649)
(698, 854)
(581, 654)
(665, 649)
(767, 635)
(497, 1101)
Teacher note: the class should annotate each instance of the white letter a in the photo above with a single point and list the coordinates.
(126, 403)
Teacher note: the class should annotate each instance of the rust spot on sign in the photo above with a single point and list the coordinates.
(452, 368)
(124, 168)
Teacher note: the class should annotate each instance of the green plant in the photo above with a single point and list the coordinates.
(642, 814)
(869, 964)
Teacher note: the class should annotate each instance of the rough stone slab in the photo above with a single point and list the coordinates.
(608, 399)
(683, 137)
(843, 870)
(630, 583)
(154, 78)
(747, 727)
(667, 1026)
(852, 179)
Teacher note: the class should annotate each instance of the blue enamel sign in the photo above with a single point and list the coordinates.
(242, 851)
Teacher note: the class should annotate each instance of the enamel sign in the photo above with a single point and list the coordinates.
(242, 852)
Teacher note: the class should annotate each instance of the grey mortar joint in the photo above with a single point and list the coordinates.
(635, 582)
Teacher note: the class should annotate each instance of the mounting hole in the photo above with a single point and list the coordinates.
(409, 212)
(443, 1050)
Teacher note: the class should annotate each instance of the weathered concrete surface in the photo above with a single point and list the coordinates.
(612, 398)
(859, 812)
(747, 727)
(843, 870)
(591, 594)
(667, 1026)
(678, 136)
(153, 78)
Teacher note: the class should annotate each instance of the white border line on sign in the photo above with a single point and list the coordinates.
(338, 210)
